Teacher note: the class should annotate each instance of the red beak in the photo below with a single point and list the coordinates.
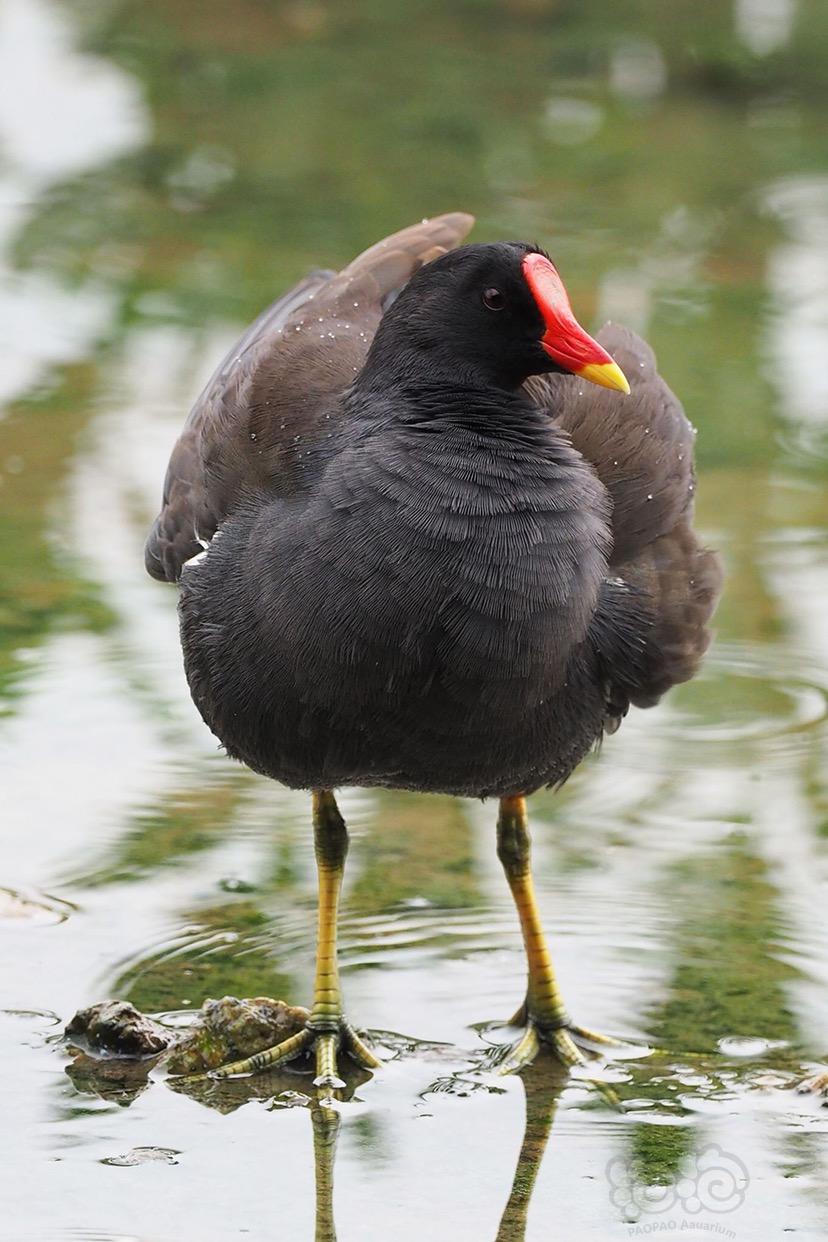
(564, 339)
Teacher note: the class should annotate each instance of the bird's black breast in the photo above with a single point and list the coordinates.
(418, 621)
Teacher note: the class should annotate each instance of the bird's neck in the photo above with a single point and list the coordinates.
(414, 356)
(489, 450)
(443, 397)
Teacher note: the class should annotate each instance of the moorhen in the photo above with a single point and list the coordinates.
(428, 537)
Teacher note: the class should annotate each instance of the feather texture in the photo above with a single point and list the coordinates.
(419, 579)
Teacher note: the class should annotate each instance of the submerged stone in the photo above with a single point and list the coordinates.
(222, 1030)
(116, 1028)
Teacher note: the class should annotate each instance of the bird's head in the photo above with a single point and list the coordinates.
(496, 314)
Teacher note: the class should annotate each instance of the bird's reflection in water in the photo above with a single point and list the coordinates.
(542, 1083)
(542, 1086)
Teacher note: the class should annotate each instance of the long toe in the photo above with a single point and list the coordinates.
(572, 1045)
(326, 1045)
(268, 1058)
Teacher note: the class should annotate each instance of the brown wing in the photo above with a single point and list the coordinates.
(680, 582)
(272, 400)
(641, 447)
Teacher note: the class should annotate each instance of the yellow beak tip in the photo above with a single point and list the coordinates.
(607, 374)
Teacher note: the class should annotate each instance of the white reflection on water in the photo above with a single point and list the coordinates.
(765, 25)
(638, 69)
(797, 332)
(62, 112)
(572, 121)
(668, 269)
(800, 866)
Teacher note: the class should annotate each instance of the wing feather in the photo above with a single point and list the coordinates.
(261, 418)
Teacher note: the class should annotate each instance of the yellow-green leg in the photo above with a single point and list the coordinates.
(327, 1029)
(543, 1011)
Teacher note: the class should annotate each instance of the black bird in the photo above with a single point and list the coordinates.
(418, 548)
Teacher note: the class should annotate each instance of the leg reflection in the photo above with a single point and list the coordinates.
(543, 1086)
(325, 1133)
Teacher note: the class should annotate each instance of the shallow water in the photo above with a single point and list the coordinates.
(166, 169)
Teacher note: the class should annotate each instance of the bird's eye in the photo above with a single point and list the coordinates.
(493, 299)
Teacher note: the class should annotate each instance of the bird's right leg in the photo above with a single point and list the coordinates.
(327, 1029)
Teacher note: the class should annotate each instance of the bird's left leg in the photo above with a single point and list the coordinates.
(543, 1011)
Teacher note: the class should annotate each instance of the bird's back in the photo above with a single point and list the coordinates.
(271, 401)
